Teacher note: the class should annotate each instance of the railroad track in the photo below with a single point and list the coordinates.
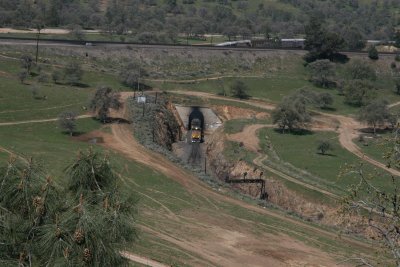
(65, 42)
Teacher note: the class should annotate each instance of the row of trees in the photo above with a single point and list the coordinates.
(72, 73)
(162, 20)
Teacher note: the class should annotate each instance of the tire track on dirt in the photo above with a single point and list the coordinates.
(122, 140)
(142, 260)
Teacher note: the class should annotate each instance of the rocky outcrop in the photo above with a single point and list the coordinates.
(166, 129)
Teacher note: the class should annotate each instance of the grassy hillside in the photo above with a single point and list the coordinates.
(173, 220)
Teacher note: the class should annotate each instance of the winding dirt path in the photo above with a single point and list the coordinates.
(205, 79)
(348, 127)
(217, 237)
(250, 140)
(252, 102)
(394, 104)
(122, 140)
(49, 108)
(348, 131)
(39, 121)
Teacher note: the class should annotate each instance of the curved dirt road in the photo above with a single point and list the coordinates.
(348, 127)
(250, 140)
(348, 131)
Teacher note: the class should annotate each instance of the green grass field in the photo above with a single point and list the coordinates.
(326, 171)
(275, 86)
(376, 147)
(156, 192)
(164, 206)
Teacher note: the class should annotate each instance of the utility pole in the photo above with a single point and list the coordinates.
(39, 28)
(138, 83)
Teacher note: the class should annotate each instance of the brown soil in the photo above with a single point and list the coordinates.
(213, 237)
(229, 112)
(217, 242)
(248, 137)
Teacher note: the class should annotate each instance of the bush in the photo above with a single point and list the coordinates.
(239, 90)
(324, 146)
(73, 73)
(43, 78)
(373, 53)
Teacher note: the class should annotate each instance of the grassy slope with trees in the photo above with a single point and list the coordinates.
(47, 143)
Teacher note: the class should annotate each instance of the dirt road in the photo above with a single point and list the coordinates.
(348, 131)
(39, 121)
(122, 140)
(347, 127)
(211, 235)
(250, 140)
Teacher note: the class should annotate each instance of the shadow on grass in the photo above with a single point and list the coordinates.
(329, 108)
(141, 87)
(74, 134)
(294, 131)
(370, 130)
(112, 120)
(326, 154)
(80, 85)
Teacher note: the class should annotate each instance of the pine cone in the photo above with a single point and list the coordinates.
(79, 236)
(37, 201)
(66, 253)
(58, 232)
(87, 255)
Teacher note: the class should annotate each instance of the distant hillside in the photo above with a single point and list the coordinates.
(162, 20)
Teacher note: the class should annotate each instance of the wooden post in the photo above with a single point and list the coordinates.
(205, 165)
(143, 109)
(37, 45)
(155, 101)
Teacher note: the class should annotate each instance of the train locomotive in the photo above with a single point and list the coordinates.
(196, 126)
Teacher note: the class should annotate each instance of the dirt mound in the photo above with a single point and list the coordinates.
(248, 137)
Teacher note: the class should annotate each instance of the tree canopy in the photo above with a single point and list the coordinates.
(320, 42)
(86, 223)
(292, 113)
(161, 21)
(375, 113)
(104, 100)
